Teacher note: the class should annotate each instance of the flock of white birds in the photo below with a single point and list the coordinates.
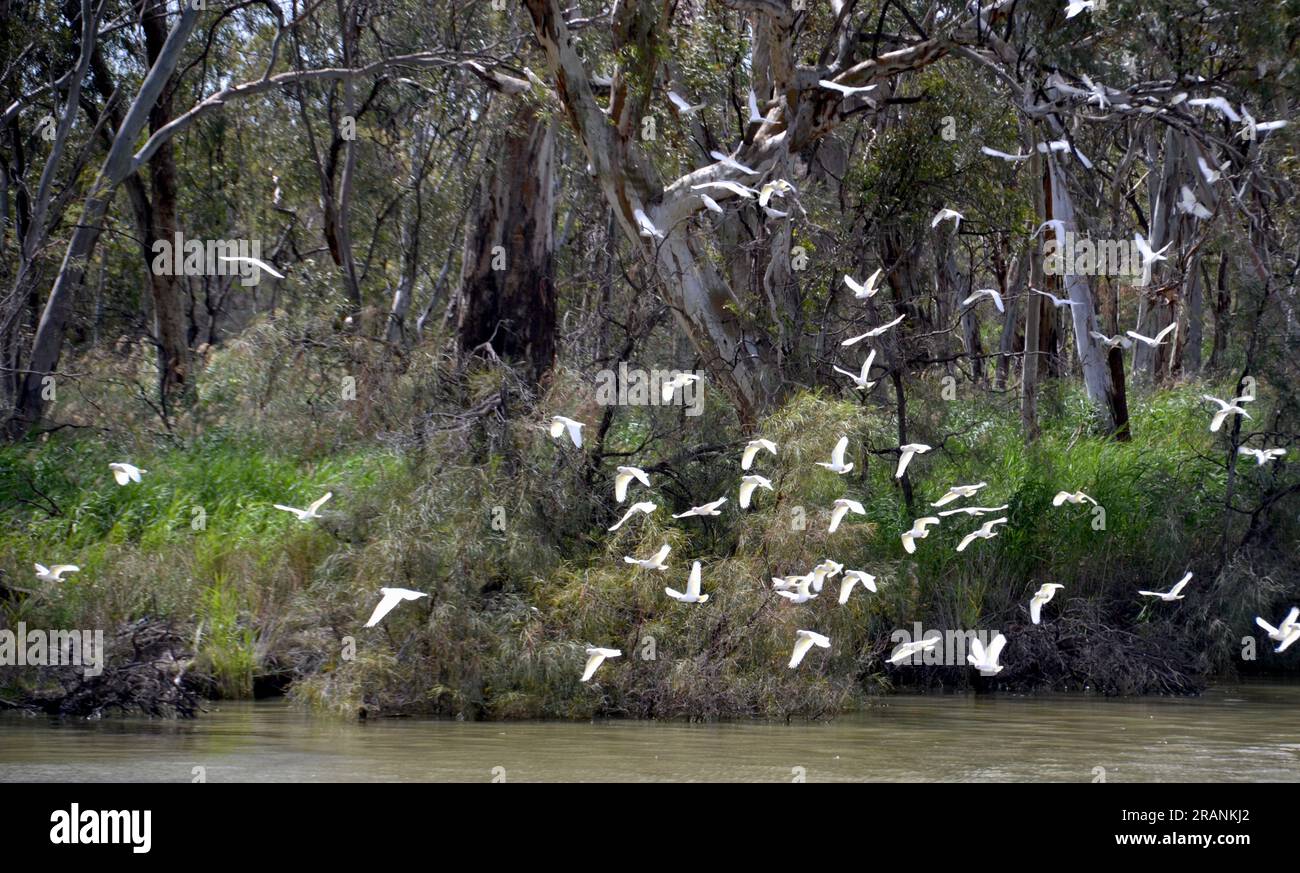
(801, 589)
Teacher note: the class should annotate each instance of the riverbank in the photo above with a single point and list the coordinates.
(507, 532)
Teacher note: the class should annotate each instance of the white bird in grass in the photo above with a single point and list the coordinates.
(846, 90)
(747, 486)
(843, 506)
(1211, 175)
(1188, 204)
(1220, 104)
(973, 510)
(1152, 341)
(1253, 128)
(944, 215)
(658, 561)
(918, 532)
(1096, 92)
(786, 583)
(683, 106)
(984, 532)
(875, 331)
(1075, 497)
(559, 424)
(755, 117)
(1262, 456)
(392, 597)
(1063, 145)
(681, 380)
(1111, 342)
(906, 453)
(734, 187)
(704, 509)
(906, 651)
(124, 473)
(860, 380)
(624, 477)
(310, 512)
(710, 204)
(732, 164)
(959, 491)
(1074, 7)
(751, 449)
(1172, 594)
(867, 290)
(986, 660)
(775, 213)
(1225, 409)
(994, 153)
(1285, 633)
(1149, 255)
(837, 464)
(1041, 598)
(805, 640)
(692, 593)
(256, 262)
(827, 569)
(596, 657)
(853, 577)
(1055, 224)
(990, 293)
(647, 228)
(775, 188)
(800, 594)
(646, 507)
(55, 573)
(1057, 301)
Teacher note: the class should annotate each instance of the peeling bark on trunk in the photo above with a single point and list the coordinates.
(412, 216)
(1220, 310)
(1155, 310)
(1012, 289)
(170, 327)
(1195, 316)
(507, 294)
(1032, 362)
(1098, 376)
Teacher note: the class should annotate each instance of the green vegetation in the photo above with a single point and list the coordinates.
(505, 529)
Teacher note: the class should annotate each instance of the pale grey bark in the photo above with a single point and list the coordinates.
(1091, 358)
(47, 344)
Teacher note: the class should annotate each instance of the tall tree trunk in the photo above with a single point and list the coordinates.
(412, 216)
(1155, 310)
(1220, 310)
(1012, 288)
(507, 290)
(169, 315)
(1031, 366)
(1195, 315)
(47, 344)
(1098, 376)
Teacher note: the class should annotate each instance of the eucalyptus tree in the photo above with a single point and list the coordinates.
(789, 50)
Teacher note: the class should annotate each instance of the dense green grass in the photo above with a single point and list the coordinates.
(197, 541)
(505, 529)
